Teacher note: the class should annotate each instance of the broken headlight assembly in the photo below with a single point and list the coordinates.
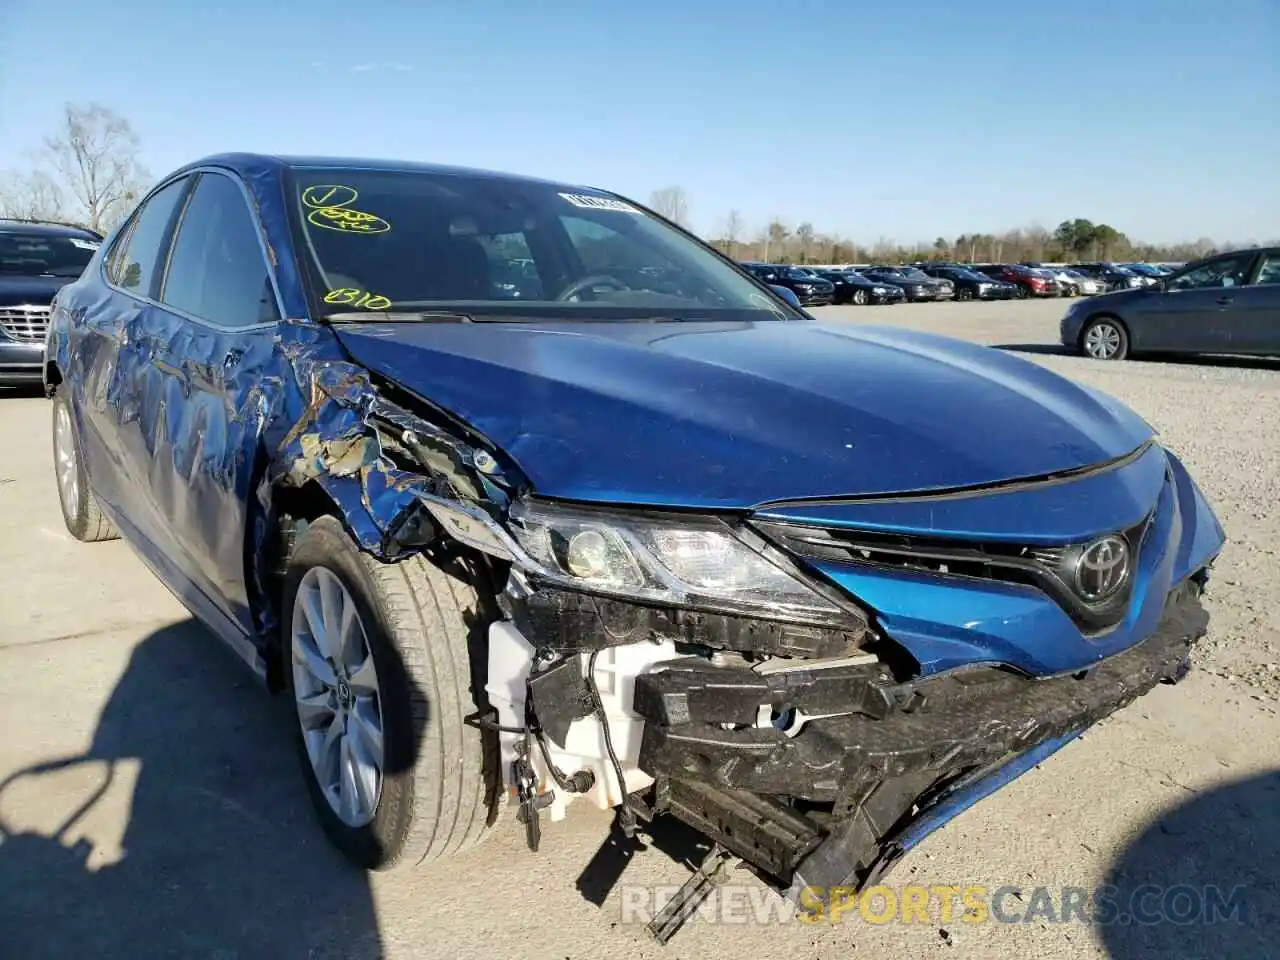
(675, 560)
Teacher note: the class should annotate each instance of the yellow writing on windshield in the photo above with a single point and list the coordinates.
(329, 203)
(355, 297)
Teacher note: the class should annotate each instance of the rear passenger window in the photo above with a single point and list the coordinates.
(217, 271)
(135, 264)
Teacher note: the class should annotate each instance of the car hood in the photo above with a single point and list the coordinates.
(30, 290)
(733, 415)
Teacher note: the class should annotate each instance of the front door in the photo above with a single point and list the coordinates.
(1192, 311)
(212, 341)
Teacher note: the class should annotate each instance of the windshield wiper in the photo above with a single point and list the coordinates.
(400, 316)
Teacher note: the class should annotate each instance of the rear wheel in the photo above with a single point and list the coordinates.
(860, 297)
(81, 511)
(378, 659)
(1104, 338)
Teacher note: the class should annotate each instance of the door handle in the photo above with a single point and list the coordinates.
(1223, 301)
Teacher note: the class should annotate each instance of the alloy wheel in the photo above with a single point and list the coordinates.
(66, 465)
(860, 297)
(335, 687)
(1102, 340)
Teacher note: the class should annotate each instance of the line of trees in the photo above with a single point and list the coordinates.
(88, 171)
(1073, 240)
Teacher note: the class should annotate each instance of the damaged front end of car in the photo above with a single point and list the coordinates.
(815, 686)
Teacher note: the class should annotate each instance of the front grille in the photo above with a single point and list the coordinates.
(1043, 567)
(26, 324)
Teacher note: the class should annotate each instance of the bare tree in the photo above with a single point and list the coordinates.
(775, 237)
(95, 156)
(732, 229)
(673, 203)
(31, 195)
(804, 237)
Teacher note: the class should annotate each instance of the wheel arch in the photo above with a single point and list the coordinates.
(269, 537)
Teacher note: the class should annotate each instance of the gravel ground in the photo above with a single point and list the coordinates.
(203, 845)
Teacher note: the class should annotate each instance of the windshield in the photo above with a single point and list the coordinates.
(32, 253)
(969, 275)
(914, 274)
(409, 241)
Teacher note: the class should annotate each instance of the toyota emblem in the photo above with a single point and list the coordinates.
(1103, 568)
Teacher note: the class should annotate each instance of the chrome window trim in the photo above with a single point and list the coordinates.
(262, 247)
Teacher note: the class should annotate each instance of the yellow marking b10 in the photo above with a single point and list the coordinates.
(357, 298)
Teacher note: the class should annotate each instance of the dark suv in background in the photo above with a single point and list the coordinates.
(37, 259)
(810, 289)
(971, 285)
(915, 284)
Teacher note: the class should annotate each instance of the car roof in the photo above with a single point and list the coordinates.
(248, 164)
(51, 228)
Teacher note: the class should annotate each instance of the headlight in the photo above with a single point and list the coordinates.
(879, 290)
(682, 561)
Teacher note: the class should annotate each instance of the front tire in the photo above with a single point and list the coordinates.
(81, 511)
(860, 297)
(381, 661)
(1104, 338)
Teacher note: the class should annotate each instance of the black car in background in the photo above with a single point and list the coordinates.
(37, 259)
(916, 285)
(810, 289)
(971, 285)
(852, 287)
(1113, 275)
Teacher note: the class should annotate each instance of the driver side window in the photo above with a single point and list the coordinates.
(1228, 272)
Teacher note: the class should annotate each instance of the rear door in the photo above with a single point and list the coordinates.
(212, 340)
(1194, 312)
(107, 368)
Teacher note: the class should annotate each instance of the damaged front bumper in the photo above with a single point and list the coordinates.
(832, 804)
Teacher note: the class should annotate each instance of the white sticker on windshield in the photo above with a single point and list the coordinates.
(84, 244)
(599, 203)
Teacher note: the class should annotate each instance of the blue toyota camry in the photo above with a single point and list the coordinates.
(524, 496)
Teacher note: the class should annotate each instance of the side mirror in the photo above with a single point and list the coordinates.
(787, 294)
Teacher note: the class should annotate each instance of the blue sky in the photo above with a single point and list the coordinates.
(1161, 117)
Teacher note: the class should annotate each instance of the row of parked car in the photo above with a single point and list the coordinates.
(951, 280)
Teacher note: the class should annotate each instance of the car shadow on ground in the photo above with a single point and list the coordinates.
(1182, 360)
(222, 855)
(1202, 880)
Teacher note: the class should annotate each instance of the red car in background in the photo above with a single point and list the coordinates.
(1029, 281)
